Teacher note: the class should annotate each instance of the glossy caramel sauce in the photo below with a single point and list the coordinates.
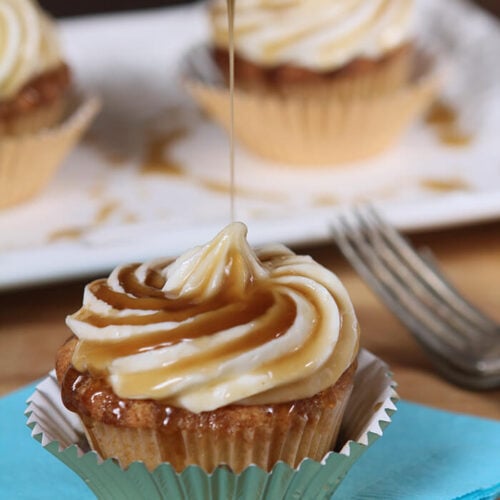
(221, 324)
(445, 121)
(237, 303)
(230, 20)
(79, 395)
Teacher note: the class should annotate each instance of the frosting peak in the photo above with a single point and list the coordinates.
(221, 324)
(28, 45)
(202, 272)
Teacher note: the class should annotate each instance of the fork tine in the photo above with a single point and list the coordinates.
(432, 331)
(412, 280)
(427, 270)
(416, 273)
(451, 293)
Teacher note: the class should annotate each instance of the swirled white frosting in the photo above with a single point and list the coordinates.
(317, 34)
(219, 325)
(28, 45)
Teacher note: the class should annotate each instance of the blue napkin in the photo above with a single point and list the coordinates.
(424, 454)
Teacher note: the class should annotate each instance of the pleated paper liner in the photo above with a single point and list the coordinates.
(236, 436)
(28, 161)
(326, 128)
(368, 412)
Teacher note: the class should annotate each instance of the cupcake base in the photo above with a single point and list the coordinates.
(367, 414)
(235, 435)
(362, 76)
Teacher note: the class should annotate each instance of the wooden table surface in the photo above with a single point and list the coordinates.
(32, 321)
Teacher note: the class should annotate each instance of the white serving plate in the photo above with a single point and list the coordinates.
(103, 208)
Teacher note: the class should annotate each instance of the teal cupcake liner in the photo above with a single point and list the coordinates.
(368, 413)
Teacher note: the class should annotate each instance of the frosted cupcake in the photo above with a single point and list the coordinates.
(34, 79)
(35, 86)
(319, 81)
(223, 356)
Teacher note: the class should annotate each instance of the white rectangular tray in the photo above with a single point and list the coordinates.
(108, 204)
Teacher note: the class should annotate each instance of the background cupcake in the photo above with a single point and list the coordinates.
(34, 79)
(319, 82)
(35, 100)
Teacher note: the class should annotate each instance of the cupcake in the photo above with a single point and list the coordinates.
(224, 356)
(35, 98)
(34, 79)
(318, 82)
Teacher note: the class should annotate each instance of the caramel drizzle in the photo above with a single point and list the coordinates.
(100, 354)
(276, 325)
(230, 17)
(271, 311)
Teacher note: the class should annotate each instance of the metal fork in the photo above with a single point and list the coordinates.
(462, 342)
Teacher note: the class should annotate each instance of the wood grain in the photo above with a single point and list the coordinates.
(32, 321)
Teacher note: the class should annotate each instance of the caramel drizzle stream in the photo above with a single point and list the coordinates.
(230, 15)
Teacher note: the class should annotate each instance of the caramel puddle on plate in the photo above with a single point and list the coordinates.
(104, 212)
(157, 158)
(108, 207)
(221, 187)
(158, 161)
(68, 233)
(444, 119)
(325, 200)
(113, 158)
(445, 185)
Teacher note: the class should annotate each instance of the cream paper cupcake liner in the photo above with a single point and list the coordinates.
(266, 436)
(28, 161)
(367, 414)
(323, 129)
